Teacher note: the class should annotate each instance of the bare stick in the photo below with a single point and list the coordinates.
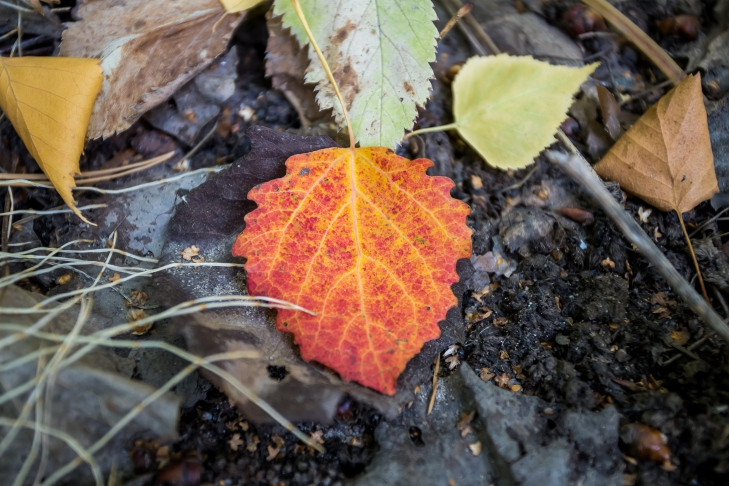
(578, 168)
(475, 33)
(463, 11)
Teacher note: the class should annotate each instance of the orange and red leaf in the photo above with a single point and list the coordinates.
(369, 242)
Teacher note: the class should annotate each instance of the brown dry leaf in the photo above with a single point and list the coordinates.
(665, 158)
(235, 6)
(610, 110)
(286, 64)
(147, 49)
(48, 100)
(189, 252)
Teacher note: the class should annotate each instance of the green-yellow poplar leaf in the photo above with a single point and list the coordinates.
(235, 6)
(48, 100)
(380, 54)
(369, 242)
(508, 108)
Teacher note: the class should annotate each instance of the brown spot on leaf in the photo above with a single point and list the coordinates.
(348, 81)
(409, 88)
(343, 32)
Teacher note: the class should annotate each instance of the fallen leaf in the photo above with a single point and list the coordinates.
(147, 50)
(610, 110)
(366, 240)
(212, 218)
(275, 448)
(665, 158)
(643, 214)
(379, 53)
(235, 6)
(485, 374)
(475, 448)
(48, 100)
(235, 442)
(464, 424)
(286, 64)
(189, 252)
(508, 108)
(645, 442)
(253, 444)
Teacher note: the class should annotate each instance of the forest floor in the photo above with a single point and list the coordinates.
(568, 361)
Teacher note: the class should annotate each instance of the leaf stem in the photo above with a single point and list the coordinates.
(693, 255)
(327, 70)
(439, 128)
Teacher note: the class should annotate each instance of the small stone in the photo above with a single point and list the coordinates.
(562, 340)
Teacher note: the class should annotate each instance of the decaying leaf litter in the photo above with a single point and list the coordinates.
(521, 214)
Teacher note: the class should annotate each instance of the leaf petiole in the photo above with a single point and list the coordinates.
(439, 128)
(693, 255)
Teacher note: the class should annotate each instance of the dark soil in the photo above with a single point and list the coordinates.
(581, 320)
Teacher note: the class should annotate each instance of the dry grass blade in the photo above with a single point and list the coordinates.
(46, 212)
(640, 39)
(63, 350)
(30, 183)
(91, 176)
(45, 379)
(59, 434)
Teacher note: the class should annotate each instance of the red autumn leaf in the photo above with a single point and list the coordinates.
(369, 242)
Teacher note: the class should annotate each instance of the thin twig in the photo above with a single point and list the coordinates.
(463, 11)
(476, 35)
(436, 370)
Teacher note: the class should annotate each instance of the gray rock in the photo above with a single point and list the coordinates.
(540, 446)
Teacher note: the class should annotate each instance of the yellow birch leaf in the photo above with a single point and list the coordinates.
(48, 100)
(508, 108)
(235, 6)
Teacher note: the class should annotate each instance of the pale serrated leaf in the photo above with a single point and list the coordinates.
(379, 52)
(508, 108)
